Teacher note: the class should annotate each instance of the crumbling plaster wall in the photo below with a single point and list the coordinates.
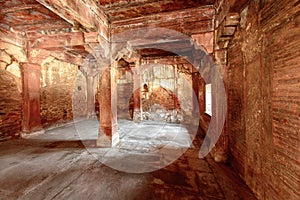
(57, 86)
(168, 89)
(10, 105)
(11, 55)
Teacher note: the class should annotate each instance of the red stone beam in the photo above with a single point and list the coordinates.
(37, 56)
(19, 7)
(57, 40)
(67, 57)
(68, 39)
(189, 21)
(86, 15)
(12, 37)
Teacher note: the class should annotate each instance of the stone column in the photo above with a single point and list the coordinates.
(195, 85)
(137, 114)
(90, 96)
(107, 136)
(31, 74)
(90, 70)
(196, 80)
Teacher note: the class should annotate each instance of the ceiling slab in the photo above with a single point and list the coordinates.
(189, 21)
(59, 24)
(118, 10)
(84, 15)
(29, 15)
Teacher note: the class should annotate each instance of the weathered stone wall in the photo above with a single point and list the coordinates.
(10, 105)
(169, 87)
(11, 54)
(164, 97)
(263, 93)
(235, 120)
(236, 112)
(57, 86)
(79, 99)
(124, 94)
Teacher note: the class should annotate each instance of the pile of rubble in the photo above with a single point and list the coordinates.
(159, 113)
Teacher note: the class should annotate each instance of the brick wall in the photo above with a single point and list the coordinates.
(263, 94)
(235, 120)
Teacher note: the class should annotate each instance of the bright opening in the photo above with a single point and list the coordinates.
(208, 103)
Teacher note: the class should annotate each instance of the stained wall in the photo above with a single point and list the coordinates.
(11, 55)
(263, 98)
(57, 86)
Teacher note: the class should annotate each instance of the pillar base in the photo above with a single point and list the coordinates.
(25, 134)
(137, 116)
(104, 141)
(195, 121)
(108, 137)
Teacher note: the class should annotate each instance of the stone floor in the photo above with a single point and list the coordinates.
(64, 163)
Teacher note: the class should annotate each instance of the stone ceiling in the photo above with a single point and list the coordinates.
(35, 15)
(118, 10)
(57, 17)
(29, 16)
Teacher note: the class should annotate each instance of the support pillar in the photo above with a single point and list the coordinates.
(137, 114)
(196, 80)
(90, 97)
(31, 74)
(195, 85)
(107, 135)
(90, 70)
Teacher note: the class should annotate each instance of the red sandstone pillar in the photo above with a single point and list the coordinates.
(31, 74)
(90, 71)
(137, 114)
(90, 97)
(107, 135)
(195, 85)
(196, 80)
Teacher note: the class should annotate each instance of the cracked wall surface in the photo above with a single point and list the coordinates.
(57, 86)
(263, 94)
(11, 96)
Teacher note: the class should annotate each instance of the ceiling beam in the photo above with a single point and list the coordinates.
(12, 37)
(61, 40)
(188, 21)
(19, 8)
(39, 56)
(82, 14)
(57, 40)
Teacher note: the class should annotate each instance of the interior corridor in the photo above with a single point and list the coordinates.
(150, 99)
